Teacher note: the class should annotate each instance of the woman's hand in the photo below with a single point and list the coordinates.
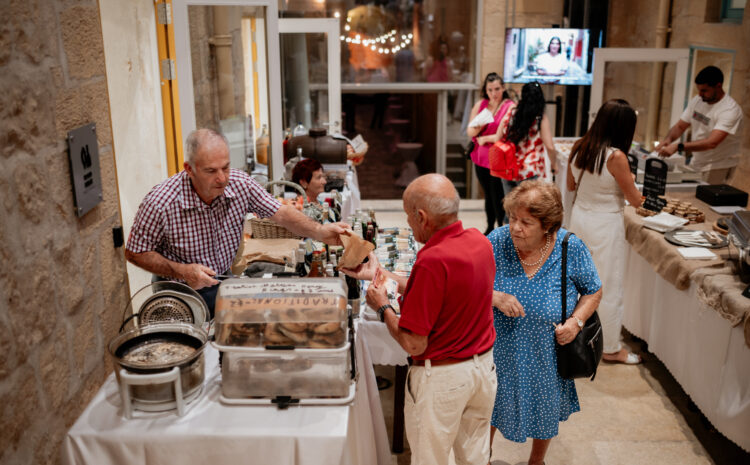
(566, 332)
(507, 304)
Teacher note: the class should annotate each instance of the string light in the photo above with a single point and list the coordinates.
(387, 38)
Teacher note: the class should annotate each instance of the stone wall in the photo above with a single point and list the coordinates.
(633, 24)
(62, 284)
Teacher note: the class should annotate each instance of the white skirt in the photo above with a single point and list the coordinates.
(604, 234)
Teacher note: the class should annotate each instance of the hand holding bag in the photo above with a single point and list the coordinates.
(580, 357)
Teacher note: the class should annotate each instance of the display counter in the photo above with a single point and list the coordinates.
(212, 432)
(695, 320)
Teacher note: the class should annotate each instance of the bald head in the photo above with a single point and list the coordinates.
(203, 139)
(436, 196)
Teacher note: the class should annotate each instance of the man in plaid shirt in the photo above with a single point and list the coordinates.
(189, 227)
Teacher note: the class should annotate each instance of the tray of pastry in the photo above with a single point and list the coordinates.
(248, 373)
(692, 238)
(281, 313)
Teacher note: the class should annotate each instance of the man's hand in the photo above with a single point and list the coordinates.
(377, 296)
(667, 150)
(198, 276)
(365, 270)
(507, 304)
(331, 231)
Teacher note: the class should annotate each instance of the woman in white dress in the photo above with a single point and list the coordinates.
(598, 171)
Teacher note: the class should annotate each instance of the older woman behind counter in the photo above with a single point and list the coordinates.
(532, 398)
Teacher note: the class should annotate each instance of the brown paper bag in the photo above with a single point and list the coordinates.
(355, 250)
(279, 251)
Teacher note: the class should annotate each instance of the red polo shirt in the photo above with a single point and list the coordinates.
(448, 297)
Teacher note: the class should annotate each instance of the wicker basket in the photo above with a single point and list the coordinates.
(263, 228)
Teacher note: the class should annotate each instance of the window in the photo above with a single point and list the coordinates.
(406, 41)
(732, 10)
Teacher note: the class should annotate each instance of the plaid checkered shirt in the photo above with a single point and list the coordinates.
(173, 221)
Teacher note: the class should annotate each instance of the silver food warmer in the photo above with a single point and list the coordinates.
(158, 354)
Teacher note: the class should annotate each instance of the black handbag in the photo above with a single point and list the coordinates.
(580, 357)
(468, 149)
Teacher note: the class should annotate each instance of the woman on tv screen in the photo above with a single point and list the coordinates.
(552, 63)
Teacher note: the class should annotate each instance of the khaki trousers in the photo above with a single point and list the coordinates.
(449, 407)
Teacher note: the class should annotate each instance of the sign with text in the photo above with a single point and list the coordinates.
(83, 156)
(655, 184)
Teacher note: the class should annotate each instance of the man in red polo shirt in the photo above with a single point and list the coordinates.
(446, 327)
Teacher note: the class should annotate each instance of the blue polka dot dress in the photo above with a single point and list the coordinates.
(531, 397)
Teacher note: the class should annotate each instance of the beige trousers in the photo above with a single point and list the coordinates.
(449, 407)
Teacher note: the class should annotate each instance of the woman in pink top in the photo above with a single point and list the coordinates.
(496, 101)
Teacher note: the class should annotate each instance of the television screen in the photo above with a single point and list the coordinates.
(547, 55)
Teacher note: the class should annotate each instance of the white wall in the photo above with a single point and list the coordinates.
(131, 56)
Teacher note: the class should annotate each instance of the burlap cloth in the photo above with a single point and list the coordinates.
(718, 285)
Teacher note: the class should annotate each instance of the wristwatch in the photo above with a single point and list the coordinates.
(579, 321)
(681, 147)
(381, 311)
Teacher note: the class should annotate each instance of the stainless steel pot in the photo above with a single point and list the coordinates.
(148, 340)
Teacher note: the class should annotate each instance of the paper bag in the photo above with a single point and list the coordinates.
(355, 250)
(279, 251)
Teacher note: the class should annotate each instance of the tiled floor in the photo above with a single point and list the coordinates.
(630, 415)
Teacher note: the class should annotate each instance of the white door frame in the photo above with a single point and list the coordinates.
(185, 70)
(330, 27)
(602, 56)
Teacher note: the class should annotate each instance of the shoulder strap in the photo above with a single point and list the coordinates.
(564, 279)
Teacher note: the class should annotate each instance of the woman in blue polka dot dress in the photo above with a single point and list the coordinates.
(531, 397)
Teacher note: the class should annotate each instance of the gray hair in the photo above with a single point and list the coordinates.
(197, 138)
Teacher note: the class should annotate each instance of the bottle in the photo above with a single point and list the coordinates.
(353, 290)
(329, 270)
(374, 223)
(300, 258)
(316, 267)
(334, 264)
(299, 130)
(261, 146)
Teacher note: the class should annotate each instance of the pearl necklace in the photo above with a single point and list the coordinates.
(542, 256)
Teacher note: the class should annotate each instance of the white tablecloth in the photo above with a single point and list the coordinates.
(704, 353)
(384, 349)
(214, 433)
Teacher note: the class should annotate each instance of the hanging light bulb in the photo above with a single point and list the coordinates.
(347, 28)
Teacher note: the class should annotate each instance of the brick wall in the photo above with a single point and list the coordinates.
(62, 282)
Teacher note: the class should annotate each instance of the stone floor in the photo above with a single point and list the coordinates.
(629, 414)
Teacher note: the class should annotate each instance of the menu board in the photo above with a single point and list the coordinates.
(655, 184)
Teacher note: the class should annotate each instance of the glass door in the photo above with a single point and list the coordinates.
(227, 63)
(310, 73)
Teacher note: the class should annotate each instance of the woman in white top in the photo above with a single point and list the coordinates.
(552, 63)
(599, 172)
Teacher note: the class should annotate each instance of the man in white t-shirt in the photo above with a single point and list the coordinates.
(715, 121)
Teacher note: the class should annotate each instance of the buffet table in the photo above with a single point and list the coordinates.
(212, 432)
(695, 320)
